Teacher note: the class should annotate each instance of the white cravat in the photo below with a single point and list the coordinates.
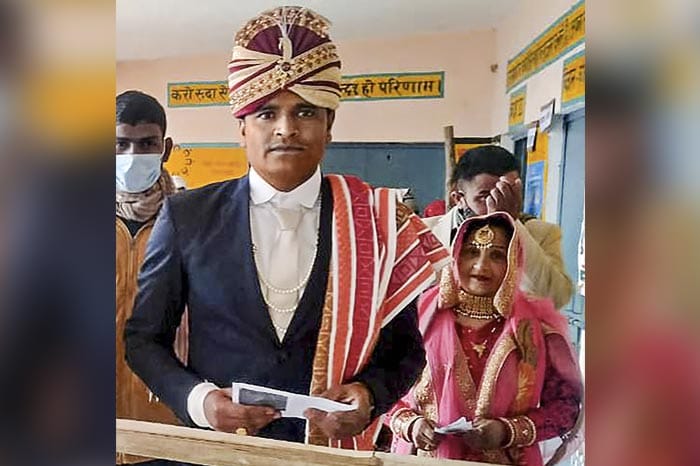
(271, 257)
(284, 280)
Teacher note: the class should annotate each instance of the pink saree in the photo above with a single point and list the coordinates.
(513, 377)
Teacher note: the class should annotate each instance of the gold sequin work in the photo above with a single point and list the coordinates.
(319, 371)
(425, 396)
(297, 16)
(465, 383)
(504, 346)
(277, 77)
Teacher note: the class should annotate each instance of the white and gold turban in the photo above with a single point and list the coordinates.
(286, 48)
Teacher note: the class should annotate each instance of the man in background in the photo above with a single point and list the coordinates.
(142, 184)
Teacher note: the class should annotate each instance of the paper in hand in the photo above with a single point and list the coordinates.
(459, 426)
(289, 404)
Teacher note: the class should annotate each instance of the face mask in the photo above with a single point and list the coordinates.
(463, 213)
(137, 172)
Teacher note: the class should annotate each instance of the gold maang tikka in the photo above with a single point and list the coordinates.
(483, 238)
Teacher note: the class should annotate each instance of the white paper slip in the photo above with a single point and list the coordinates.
(289, 404)
(459, 426)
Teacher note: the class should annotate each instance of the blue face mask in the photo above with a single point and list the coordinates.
(137, 172)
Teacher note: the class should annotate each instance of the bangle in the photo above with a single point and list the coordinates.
(407, 428)
(533, 429)
(525, 431)
(401, 421)
(396, 420)
(511, 429)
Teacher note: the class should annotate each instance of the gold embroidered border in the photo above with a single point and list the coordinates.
(299, 16)
(319, 370)
(504, 346)
(277, 77)
(424, 394)
(465, 383)
(449, 291)
(503, 301)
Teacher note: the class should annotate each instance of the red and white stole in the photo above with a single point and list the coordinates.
(382, 258)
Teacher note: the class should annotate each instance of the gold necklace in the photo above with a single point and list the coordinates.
(475, 307)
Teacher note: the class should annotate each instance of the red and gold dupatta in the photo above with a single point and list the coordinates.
(382, 258)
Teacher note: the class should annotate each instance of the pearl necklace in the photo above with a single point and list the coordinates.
(294, 289)
(281, 310)
(274, 289)
(279, 328)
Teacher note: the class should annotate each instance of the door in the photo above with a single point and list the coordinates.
(571, 214)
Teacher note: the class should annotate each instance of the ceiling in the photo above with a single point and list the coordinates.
(150, 29)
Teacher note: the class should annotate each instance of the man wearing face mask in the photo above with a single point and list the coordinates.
(487, 180)
(141, 186)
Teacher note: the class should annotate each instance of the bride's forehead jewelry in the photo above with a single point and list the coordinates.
(483, 238)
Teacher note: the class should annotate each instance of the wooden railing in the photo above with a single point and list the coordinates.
(220, 449)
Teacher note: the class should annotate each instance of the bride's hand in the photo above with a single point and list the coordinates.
(423, 435)
(487, 434)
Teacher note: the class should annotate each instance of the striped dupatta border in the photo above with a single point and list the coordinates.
(382, 258)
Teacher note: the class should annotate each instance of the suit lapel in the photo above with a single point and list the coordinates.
(237, 221)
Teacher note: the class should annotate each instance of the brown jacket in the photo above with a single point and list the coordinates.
(134, 400)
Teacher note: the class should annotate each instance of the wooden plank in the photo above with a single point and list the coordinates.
(449, 135)
(211, 448)
(221, 449)
(390, 459)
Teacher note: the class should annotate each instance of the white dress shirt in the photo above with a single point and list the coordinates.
(264, 228)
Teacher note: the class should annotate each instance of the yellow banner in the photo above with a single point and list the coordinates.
(393, 86)
(541, 152)
(202, 164)
(463, 144)
(563, 35)
(574, 79)
(198, 94)
(516, 114)
(359, 87)
(460, 149)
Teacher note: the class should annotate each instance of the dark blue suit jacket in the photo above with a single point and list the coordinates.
(200, 256)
